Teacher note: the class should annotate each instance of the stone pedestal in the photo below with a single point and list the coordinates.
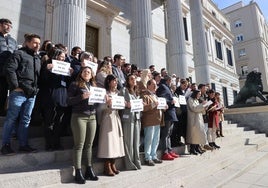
(255, 117)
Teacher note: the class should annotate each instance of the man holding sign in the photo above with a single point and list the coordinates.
(152, 119)
(170, 117)
(180, 126)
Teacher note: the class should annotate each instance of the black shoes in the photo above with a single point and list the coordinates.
(149, 163)
(6, 150)
(157, 161)
(79, 178)
(90, 175)
(27, 149)
(198, 149)
(212, 144)
(192, 150)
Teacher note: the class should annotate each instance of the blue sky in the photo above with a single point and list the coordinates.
(263, 4)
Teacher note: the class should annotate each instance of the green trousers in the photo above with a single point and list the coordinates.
(84, 129)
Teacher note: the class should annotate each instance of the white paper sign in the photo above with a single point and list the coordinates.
(97, 95)
(182, 100)
(177, 102)
(92, 65)
(61, 67)
(207, 103)
(136, 105)
(118, 102)
(162, 103)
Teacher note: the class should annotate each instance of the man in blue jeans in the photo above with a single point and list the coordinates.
(22, 73)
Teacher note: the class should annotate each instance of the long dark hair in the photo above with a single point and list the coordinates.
(131, 90)
(81, 82)
(194, 94)
(108, 80)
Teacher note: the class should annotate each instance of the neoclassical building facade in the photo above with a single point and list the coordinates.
(191, 38)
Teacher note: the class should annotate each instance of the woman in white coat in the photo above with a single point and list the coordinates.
(196, 133)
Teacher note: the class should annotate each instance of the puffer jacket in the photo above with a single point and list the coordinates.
(23, 71)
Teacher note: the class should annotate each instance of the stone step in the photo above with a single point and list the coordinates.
(200, 171)
(54, 157)
(173, 173)
(234, 170)
(50, 164)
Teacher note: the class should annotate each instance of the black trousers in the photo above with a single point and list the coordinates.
(3, 94)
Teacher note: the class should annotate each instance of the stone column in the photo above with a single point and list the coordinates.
(141, 33)
(69, 23)
(176, 39)
(199, 43)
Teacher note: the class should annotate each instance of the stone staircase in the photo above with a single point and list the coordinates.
(240, 150)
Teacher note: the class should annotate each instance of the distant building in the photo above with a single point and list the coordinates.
(250, 30)
(159, 32)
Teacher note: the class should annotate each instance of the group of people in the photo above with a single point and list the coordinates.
(64, 99)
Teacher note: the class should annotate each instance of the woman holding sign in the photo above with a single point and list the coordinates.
(110, 135)
(131, 124)
(196, 133)
(83, 123)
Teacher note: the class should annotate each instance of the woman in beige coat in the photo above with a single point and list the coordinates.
(195, 134)
(111, 144)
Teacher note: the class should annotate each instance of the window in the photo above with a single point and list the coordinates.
(239, 38)
(244, 70)
(185, 29)
(213, 13)
(229, 57)
(234, 94)
(242, 52)
(225, 96)
(206, 38)
(238, 23)
(218, 49)
(213, 86)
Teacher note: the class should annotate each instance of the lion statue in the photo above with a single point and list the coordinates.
(253, 88)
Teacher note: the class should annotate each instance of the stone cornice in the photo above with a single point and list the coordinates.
(159, 38)
(217, 23)
(103, 7)
(122, 20)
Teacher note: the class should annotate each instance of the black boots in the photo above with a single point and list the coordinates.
(90, 175)
(213, 144)
(79, 178)
(192, 149)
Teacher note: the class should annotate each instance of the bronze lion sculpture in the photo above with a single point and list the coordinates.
(253, 88)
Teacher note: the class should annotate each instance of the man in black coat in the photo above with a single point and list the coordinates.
(169, 117)
(22, 74)
(7, 46)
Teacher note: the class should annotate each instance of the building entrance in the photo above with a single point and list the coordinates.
(92, 39)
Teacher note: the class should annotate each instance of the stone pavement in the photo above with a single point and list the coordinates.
(257, 177)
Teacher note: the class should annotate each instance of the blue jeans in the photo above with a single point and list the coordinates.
(166, 131)
(151, 141)
(21, 107)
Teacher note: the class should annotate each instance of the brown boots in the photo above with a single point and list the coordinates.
(109, 168)
(114, 167)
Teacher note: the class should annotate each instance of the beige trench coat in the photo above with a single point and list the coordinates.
(110, 135)
(195, 124)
